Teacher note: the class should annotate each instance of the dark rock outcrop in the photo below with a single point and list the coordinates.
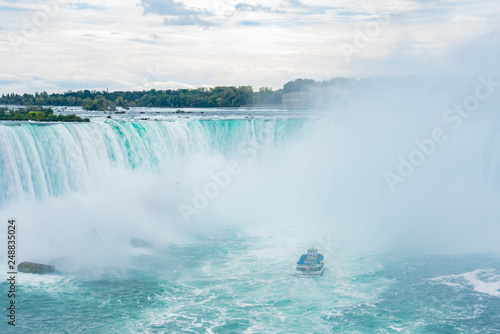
(35, 268)
(139, 243)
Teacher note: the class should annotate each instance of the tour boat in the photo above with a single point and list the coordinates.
(310, 264)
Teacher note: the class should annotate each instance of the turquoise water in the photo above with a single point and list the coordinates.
(218, 283)
(423, 259)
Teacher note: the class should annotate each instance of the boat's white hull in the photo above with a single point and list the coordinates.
(307, 273)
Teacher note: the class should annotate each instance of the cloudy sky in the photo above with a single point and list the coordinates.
(57, 45)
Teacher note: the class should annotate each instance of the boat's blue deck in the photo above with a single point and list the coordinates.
(304, 259)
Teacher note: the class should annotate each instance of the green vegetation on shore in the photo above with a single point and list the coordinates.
(37, 114)
(180, 98)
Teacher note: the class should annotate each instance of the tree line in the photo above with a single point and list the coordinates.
(103, 100)
(37, 114)
(180, 98)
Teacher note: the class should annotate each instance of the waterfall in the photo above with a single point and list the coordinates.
(44, 160)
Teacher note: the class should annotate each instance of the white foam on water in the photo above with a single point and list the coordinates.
(48, 283)
(485, 281)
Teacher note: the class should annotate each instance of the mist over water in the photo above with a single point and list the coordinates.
(333, 181)
(80, 192)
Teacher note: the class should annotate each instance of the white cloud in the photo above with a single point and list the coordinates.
(264, 43)
(163, 85)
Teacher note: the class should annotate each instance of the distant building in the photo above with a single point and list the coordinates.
(295, 100)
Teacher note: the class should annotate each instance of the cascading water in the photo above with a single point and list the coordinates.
(50, 160)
